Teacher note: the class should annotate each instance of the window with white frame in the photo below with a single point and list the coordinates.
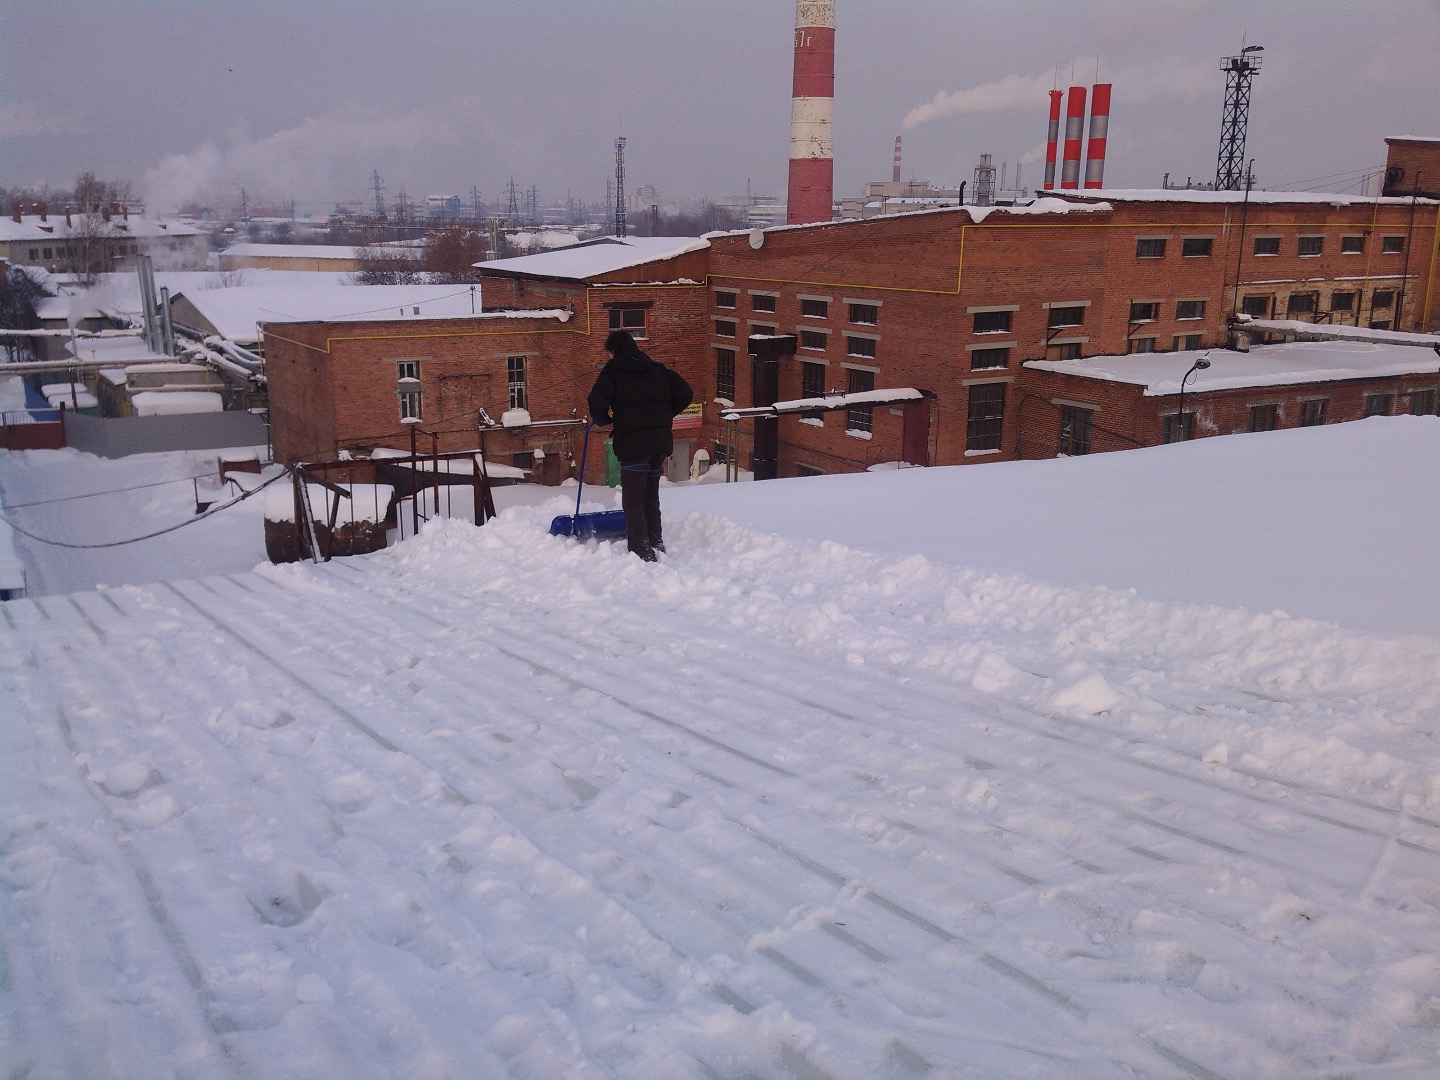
(515, 382)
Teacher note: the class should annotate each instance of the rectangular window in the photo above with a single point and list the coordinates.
(1196, 247)
(724, 327)
(409, 404)
(860, 417)
(761, 302)
(1309, 245)
(1150, 247)
(814, 339)
(1185, 342)
(1352, 245)
(1267, 245)
(812, 385)
(515, 382)
(859, 346)
(1382, 298)
(1066, 350)
(1392, 245)
(1144, 310)
(865, 314)
(991, 322)
(1301, 303)
(1379, 404)
(49, 253)
(1178, 427)
(1142, 345)
(763, 329)
(725, 374)
(1189, 309)
(628, 318)
(1066, 316)
(1342, 301)
(724, 299)
(1422, 402)
(983, 359)
(1075, 424)
(1379, 324)
(1257, 307)
(1264, 417)
(407, 369)
(986, 416)
(815, 309)
(807, 470)
(1312, 413)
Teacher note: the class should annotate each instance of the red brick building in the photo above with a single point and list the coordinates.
(1075, 407)
(955, 301)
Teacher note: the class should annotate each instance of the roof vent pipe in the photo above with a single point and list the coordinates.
(1099, 128)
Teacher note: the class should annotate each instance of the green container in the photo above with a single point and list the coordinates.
(612, 466)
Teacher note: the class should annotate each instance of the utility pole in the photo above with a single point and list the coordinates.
(513, 211)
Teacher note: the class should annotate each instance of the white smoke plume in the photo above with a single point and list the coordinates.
(330, 154)
(1136, 84)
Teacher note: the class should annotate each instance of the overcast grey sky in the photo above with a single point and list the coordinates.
(195, 98)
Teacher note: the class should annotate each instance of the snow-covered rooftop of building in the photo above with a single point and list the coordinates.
(235, 313)
(1265, 365)
(291, 251)
(117, 351)
(119, 294)
(31, 227)
(1191, 195)
(593, 257)
(1413, 138)
(1324, 331)
(172, 402)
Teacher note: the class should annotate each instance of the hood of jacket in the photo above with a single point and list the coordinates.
(634, 362)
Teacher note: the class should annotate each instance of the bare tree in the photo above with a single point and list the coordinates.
(451, 255)
(386, 266)
(19, 294)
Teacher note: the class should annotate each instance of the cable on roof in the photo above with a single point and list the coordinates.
(158, 532)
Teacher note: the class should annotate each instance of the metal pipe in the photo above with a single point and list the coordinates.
(1074, 135)
(1099, 128)
(1052, 139)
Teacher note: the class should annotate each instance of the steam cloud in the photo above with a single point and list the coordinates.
(327, 154)
(1137, 84)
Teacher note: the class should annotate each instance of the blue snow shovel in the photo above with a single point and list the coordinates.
(602, 525)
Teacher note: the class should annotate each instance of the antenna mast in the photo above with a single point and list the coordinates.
(620, 186)
(1239, 70)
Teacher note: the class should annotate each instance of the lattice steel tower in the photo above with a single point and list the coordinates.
(620, 186)
(1239, 70)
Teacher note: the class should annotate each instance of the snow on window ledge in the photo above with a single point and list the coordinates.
(854, 434)
(813, 421)
(981, 453)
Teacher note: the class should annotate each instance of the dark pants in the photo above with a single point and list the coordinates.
(640, 499)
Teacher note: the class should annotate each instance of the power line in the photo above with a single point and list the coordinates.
(111, 491)
(148, 536)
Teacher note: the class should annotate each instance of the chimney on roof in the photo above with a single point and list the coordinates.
(810, 191)
(105, 211)
(125, 211)
(15, 211)
(67, 217)
(39, 208)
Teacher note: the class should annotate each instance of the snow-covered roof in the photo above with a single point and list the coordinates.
(30, 227)
(119, 293)
(1265, 198)
(1329, 332)
(170, 402)
(594, 257)
(1267, 365)
(291, 251)
(1412, 138)
(117, 351)
(235, 313)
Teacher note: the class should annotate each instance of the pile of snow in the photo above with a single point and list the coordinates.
(173, 402)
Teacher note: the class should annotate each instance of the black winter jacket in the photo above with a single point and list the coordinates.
(640, 396)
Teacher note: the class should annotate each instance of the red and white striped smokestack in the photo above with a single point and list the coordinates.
(895, 173)
(1099, 127)
(1074, 136)
(812, 111)
(1052, 139)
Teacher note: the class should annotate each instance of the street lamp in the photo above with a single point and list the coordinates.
(1199, 365)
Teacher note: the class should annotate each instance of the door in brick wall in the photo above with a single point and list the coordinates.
(915, 433)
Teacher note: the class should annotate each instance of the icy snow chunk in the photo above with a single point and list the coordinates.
(127, 779)
(1219, 754)
(1088, 696)
(313, 990)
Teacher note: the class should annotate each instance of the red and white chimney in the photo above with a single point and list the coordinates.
(1099, 128)
(812, 111)
(1074, 136)
(1052, 139)
(895, 172)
